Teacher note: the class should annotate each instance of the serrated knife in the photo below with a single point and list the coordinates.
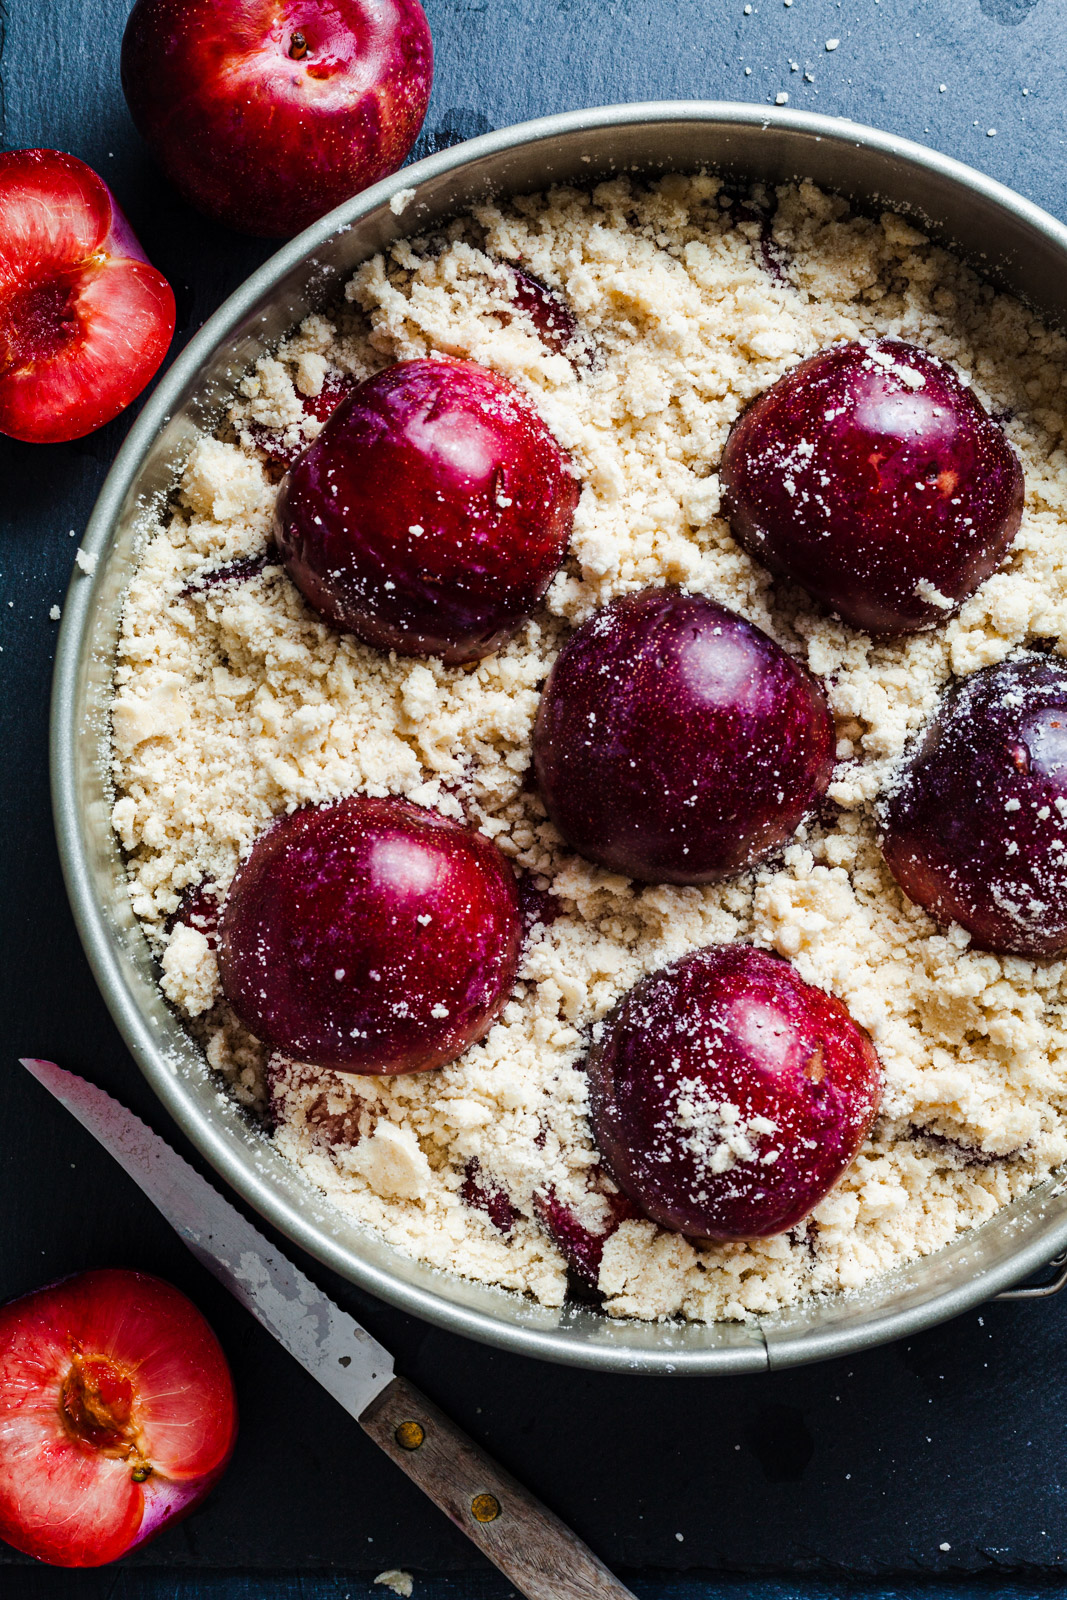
(531, 1546)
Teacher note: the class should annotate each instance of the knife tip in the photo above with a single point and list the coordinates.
(39, 1068)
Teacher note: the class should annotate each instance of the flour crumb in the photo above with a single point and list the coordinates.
(54, 614)
(401, 200)
(190, 972)
(392, 1163)
(933, 597)
(401, 1583)
(85, 560)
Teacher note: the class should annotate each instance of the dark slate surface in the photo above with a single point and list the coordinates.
(870, 1467)
(148, 1583)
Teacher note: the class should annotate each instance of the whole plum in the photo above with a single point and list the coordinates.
(677, 743)
(371, 936)
(265, 114)
(974, 828)
(728, 1096)
(873, 478)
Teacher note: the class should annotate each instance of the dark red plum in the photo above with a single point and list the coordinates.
(873, 478)
(677, 743)
(975, 826)
(243, 570)
(769, 253)
(728, 1096)
(370, 936)
(431, 513)
(265, 114)
(330, 1124)
(199, 909)
(536, 906)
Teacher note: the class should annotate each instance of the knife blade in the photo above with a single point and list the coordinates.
(325, 1340)
(530, 1545)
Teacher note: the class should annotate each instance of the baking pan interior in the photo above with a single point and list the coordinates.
(1008, 239)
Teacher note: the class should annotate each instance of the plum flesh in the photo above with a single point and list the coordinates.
(85, 319)
(117, 1415)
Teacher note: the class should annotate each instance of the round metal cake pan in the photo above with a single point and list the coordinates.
(1008, 239)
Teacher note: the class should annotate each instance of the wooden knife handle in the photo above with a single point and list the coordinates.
(530, 1545)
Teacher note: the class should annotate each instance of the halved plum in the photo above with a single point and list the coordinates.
(370, 935)
(974, 826)
(728, 1096)
(872, 477)
(431, 513)
(676, 742)
(85, 320)
(117, 1415)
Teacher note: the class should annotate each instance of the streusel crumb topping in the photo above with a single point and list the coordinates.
(234, 703)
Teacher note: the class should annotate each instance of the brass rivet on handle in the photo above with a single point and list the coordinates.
(409, 1435)
(485, 1508)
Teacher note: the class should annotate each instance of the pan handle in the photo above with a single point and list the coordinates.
(1041, 1291)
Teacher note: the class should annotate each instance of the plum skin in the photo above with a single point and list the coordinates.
(872, 477)
(371, 936)
(974, 827)
(265, 114)
(677, 743)
(708, 1031)
(431, 513)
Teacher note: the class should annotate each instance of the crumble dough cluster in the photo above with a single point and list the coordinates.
(234, 703)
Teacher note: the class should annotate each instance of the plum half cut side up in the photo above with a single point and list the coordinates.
(85, 319)
(117, 1415)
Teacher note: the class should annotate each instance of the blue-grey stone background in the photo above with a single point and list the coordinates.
(907, 1471)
